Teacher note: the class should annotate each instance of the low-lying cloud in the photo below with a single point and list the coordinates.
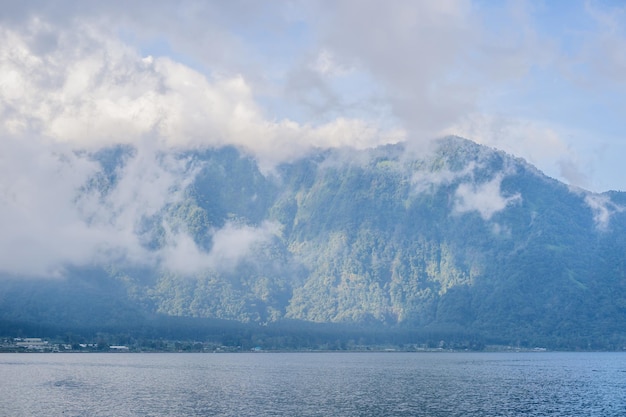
(57, 207)
(428, 180)
(231, 244)
(62, 207)
(39, 221)
(485, 198)
(602, 208)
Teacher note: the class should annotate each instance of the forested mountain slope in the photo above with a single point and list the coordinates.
(458, 238)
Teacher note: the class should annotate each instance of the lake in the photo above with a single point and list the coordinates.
(313, 384)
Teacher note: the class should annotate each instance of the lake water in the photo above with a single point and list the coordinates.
(313, 384)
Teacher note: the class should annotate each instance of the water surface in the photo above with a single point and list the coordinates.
(313, 384)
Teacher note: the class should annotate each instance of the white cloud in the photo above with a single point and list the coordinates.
(603, 208)
(55, 212)
(39, 222)
(326, 64)
(231, 244)
(104, 92)
(146, 184)
(425, 180)
(485, 198)
(52, 215)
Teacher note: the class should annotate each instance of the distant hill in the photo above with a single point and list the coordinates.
(462, 239)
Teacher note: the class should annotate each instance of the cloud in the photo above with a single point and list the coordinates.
(427, 180)
(57, 208)
(326, 64)
(231, 244)
(39, 222)
(485, 198)
(208, 34)
(421, 67)
(434, 62)
(603, 208)
(93, 91)
(603, 46)
(470, 195)
(148, 182)
(540, 144)
(411, 50)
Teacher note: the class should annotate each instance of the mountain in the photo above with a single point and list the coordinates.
(457, 239)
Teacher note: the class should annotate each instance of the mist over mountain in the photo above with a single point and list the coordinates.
(457, 238)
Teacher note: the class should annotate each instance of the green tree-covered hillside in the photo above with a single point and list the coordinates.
(461, 238)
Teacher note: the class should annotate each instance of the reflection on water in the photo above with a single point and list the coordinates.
(314, 384)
